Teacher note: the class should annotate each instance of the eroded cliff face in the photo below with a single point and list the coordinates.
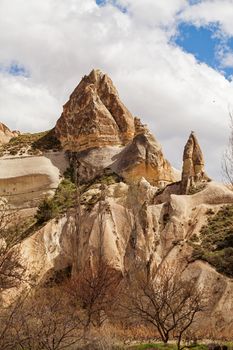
(136, 230)
(26, 180)
(145, 217)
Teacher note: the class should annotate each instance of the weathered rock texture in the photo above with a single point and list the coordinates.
(94, 116)
(6, 134)
(139, 223)
(24, 181)
(193, 165)
(98, 127)
(136, 230)
(143, 157)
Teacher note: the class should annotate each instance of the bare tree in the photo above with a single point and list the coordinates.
(42, 322)
(96, 287)
(11, 270)
(77, 219)
(167, 302)
(227, 163)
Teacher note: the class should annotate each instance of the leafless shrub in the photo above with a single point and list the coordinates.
(167, 302)
(11, 270)
(41, 322)
(96, 288)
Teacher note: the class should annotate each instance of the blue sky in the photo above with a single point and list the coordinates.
(123, 9)
(15, 69)
(204, 42)
(201, 41)
(153, 50)
(205, 45)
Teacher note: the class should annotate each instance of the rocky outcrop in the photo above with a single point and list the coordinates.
(98, 128)
(129, 221)
(94, 116)
(25, 181)
(6, 134)
(193, 171)
(135, 230)
(143, 157)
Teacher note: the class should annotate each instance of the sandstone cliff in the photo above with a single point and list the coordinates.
(136, 230)
(102, 132)
(130, 204)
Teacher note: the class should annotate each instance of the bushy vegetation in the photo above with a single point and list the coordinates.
(47, 141)
(196, 188)
(64, 197)
(31, 143)
(216, 241)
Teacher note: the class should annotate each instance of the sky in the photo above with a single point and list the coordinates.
(171, 61)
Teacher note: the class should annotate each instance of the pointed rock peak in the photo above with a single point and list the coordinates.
(139, 127)
(94, 116)
(193, 150)
(6, 134)
(193, 171)
(95, 75)
(4, 128)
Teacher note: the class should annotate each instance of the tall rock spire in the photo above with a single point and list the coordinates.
(94, 116)
(193, 165)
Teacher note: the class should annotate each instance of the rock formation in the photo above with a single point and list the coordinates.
(135, 230)
(6, 134)
(193, 165)
(94, 116)
(98, 127)
(143, 157)
(127, 220)
(25, 181)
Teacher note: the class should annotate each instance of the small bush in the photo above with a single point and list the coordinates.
(216, 241)
(47, 210)
(197, 188)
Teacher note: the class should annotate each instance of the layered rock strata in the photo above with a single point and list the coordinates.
(97, 126)
(94, 116)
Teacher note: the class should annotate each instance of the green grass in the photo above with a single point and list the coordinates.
(215, 244)
(153, 346)
(161, 346)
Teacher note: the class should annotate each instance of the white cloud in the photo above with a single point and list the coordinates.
(227, 60)
(26, 106)
(59, 41)
(211, 11)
